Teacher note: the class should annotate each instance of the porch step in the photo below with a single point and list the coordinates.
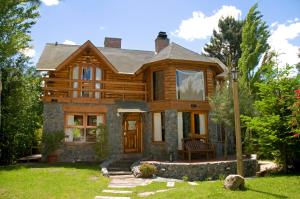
(119, 168)
(114, 173)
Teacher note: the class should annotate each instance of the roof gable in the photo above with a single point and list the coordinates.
(87, 45)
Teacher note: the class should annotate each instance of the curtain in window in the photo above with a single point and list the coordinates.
(75, 77)
(98, 85)
(157, 127)
(190, 85)
(100, 119)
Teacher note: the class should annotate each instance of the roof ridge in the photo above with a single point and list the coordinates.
(58, 44)
(125, 49)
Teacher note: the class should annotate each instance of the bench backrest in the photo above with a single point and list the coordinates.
(196, 145)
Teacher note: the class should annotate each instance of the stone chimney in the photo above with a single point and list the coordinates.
(112, 42)
(161, 41)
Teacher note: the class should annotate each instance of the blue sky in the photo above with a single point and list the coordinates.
(187, 22)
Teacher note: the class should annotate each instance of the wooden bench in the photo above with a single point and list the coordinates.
(191, 146)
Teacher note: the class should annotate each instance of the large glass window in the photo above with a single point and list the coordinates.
(159, 127)
(191, 124)
(158, 85)
(82, 127)
(190, 85)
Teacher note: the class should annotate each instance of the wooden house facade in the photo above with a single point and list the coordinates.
(149, 101)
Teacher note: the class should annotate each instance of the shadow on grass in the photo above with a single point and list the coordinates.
(90, 166)
(266, 193)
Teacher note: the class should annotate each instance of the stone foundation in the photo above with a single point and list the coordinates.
(77, 152)
(203, 170)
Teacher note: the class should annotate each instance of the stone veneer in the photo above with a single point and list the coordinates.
(203, 170)
(161, 150)
(69, 152)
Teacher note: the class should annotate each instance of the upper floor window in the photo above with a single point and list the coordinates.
(158, 85)
(87, 74)
(190, 85)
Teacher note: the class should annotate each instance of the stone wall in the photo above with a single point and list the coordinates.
(161, 150)
(203, 170)
(157, 151)
(77, 152)
(171, 134)
(53, 117)
(115, 132)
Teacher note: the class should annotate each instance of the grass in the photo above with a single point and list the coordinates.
(51, 181)
(45, 181)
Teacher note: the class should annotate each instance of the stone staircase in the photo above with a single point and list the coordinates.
(121, 167)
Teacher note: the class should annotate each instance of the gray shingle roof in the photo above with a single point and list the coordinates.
(124, 60)
(175, 51)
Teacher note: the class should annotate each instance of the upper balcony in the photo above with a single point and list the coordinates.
(91, 91)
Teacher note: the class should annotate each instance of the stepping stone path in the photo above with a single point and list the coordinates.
(170, 184)
(129, 181)
(193, 183)
(111, 197)
(116, 191)
(145, 194)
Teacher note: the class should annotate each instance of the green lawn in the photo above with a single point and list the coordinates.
(41, 181)
(44, 181)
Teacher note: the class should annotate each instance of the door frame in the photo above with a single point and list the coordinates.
(125, 118)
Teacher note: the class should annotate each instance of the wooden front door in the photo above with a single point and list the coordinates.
(132, 132)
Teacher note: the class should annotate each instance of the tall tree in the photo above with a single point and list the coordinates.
(254, 44)
(298, 65)
(20, 107)
(225, 43)
(274, 132)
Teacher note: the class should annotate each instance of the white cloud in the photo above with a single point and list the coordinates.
(69, 42)
(280, 41)
(50, 2)
(200, 26)
(102, 28)
(29, 52)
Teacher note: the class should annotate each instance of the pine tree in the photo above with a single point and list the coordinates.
(225, 43)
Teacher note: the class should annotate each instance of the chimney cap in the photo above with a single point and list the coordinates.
(162, 35)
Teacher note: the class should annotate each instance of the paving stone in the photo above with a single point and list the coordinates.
(127, 181)
(111, 197)
(145, 194)
(163, 190)
(116, 191)
(170, 184)
(193, 183)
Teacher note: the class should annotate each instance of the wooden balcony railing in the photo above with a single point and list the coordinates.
(91, 90)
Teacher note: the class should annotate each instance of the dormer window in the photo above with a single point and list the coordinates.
(190, 85)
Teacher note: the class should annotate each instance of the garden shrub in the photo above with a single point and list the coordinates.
(147, 170)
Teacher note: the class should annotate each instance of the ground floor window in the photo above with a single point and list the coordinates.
(82, 127)
(159, 127)
(191, 124)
